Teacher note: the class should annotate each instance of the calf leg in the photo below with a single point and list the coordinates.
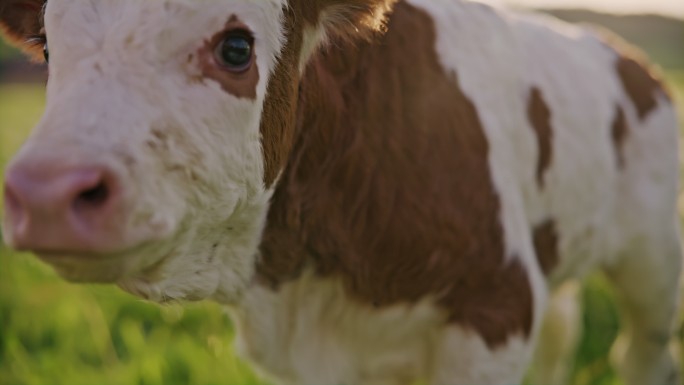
(558, 338)
(647, 283)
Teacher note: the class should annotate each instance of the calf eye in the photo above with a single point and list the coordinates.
(234, 52)
(46, 52)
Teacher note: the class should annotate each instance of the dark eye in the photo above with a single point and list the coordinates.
(234, 52)
(46, 52)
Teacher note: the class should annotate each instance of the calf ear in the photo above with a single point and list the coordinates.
(346, 18)
(20, 20)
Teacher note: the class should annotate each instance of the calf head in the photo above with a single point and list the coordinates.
(166, 126)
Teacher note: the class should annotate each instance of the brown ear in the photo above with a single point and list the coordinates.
(20, 20)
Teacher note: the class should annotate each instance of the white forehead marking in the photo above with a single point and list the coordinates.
(157, 32)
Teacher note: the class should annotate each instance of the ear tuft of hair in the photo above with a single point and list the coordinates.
(21, 21)
(345, 19)
(357, 19)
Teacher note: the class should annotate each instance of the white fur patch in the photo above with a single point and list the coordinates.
(461, 357)
(311, 332)
(312, 39)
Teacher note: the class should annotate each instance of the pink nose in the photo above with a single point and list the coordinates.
(53, 209)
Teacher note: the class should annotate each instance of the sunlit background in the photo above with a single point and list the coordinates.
(662, 7)
(56, 333)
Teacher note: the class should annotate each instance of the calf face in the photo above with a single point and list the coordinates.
(147, 161)
(167, 123)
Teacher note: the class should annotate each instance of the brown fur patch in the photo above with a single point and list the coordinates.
(388, 187)
(241, 85)
(640, 79)
(539, 115)
(356, 19)
(278, 118)
(546, 246)
(641, 85)
(620, 131)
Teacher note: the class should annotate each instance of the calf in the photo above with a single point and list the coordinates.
(382, 191)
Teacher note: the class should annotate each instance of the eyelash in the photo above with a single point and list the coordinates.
(36, 41)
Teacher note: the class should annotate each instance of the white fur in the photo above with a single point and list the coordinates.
(313, 320)
(312, 38)
(461, 357)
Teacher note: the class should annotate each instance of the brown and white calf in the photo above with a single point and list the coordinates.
(382, 191)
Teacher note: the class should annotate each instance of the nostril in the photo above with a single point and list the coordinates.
(93, 197)
(91, 191)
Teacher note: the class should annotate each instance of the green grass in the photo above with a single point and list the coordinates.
(52, 332)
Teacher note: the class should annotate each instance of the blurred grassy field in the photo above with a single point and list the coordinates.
(52, 332)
